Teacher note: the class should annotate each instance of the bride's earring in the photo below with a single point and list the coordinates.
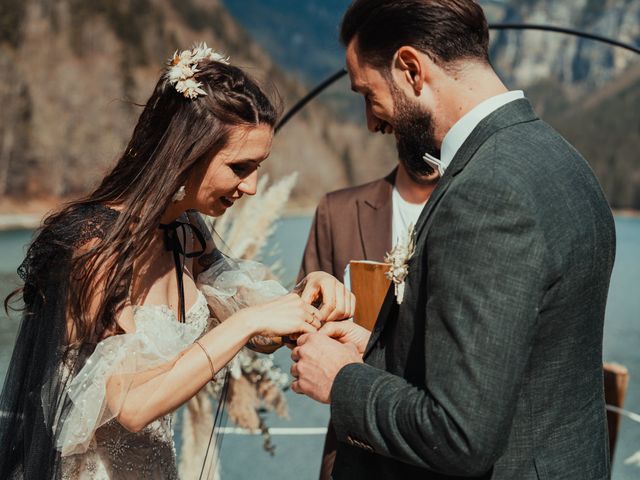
(179, 195)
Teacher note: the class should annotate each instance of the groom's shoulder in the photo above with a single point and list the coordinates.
(532, 162)
(527, 151)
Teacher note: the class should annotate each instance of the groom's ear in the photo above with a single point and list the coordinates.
(410, 65)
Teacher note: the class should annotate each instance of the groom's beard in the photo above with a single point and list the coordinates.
(414, 131)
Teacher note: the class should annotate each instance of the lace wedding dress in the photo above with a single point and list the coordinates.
(92, 442)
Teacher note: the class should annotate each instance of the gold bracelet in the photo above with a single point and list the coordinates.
(213, 371)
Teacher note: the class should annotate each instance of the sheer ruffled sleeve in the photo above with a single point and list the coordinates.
(229, 285)
(157, 340)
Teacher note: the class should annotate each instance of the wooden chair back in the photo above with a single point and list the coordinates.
(616, 380)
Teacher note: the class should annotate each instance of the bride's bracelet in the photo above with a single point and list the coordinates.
(213, 372)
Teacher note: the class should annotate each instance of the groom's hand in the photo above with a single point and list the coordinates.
(348, 332)
(318, 359)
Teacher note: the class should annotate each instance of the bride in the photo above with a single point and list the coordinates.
(114, 334)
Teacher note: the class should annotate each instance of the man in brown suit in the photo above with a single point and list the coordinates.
(357, 223)
(350, 224)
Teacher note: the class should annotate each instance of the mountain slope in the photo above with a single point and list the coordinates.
(71, 71)
(605, 128)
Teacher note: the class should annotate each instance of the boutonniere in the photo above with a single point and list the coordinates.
(398, 260)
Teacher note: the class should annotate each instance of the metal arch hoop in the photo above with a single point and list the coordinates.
(497, 26)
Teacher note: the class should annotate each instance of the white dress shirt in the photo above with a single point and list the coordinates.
(403, 215)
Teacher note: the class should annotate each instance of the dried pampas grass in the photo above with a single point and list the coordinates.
(196, 430)
(242, 409)
(244, 230)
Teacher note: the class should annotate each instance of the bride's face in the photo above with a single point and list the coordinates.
(232, 173)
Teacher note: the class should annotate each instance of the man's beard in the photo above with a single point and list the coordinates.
(415, 135)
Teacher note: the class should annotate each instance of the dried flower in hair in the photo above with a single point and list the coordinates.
(183, 67)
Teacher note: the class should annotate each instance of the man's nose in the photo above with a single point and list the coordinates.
(249, 184)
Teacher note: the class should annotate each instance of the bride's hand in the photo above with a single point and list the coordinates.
(287, 315)
(335, 301)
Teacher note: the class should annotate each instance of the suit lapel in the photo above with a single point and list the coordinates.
(374, 216)
(518, 111)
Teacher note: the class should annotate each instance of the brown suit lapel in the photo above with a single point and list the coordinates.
(374, 219)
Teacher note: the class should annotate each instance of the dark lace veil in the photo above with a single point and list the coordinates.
(31, 401)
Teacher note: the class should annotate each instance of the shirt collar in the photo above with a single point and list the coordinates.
(461, 130)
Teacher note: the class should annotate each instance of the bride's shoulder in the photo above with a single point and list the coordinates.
(76, 225)
(91, 221)
(63, 235)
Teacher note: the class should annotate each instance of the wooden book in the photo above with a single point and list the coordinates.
(369, 284)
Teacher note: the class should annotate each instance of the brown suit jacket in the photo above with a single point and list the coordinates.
(350, 224)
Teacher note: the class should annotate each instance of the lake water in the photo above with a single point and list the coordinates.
(298, 456)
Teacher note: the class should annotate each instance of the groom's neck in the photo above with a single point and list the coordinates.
(465, 89)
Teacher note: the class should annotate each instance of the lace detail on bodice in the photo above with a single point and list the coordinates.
(118, 454)
(114, 452)
(197, 315)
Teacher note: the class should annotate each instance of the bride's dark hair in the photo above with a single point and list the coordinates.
(77, 271)
(173, 134)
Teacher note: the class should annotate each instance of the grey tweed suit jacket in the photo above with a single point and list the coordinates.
(492, 366)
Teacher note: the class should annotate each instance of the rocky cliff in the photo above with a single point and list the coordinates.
(588, 90)
(528, 57)
(71, 73)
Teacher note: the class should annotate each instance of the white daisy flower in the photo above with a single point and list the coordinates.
(190, 88)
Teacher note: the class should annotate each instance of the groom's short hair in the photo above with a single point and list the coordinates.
(446, 30)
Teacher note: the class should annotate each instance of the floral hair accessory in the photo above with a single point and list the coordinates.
(183, 68)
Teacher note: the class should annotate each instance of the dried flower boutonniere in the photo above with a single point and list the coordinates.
(398, 260)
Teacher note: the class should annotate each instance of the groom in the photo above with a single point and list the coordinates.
(491, 367)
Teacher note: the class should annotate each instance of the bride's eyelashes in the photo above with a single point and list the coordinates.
(244, 169)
